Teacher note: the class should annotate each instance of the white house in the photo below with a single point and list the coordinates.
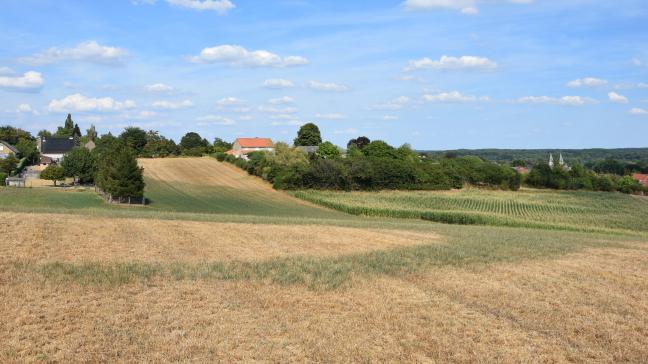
(243, 146)
(55, 148)
(6, 150)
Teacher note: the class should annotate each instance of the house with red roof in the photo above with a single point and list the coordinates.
(641, 178)
(243, 146)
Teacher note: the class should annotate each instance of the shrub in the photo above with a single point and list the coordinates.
(3, 176)
(221, 156)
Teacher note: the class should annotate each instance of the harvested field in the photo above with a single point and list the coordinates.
(584, 307)
(69, 238)
(205, 185)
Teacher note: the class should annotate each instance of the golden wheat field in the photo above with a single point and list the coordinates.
(146, 287)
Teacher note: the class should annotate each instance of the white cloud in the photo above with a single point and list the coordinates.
(276, 110)
(220, 6)
(235, 55)
(229, 101)
(159, 87)
(638, 111)
(565, 100)
(471, 10)
(452, 63)
(468, 7)
(78, 102)
(172, 105)
(282, 100)
(294, 122)
(393, 104)
(26, 109)
(6, 71)
(145, 114)
(636, 62)
(616, 98)
(346, 131)
(29, 81)
(330, 116)
(245, 117)
(391, 117)
(622, 86)
(215, 120)
(324, 86)
(278, 83)
(587, 82)
(90, 51)
(453, 97)
(22, 108)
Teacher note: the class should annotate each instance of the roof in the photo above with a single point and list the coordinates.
(522, 170)
(46, 160)
(642, 178)
(11, 147)
(255, 142)
(53, 145)
(90, 145)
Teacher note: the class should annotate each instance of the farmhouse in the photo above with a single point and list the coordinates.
(641, 178)
(243, 146)
(55, 148)
(6, 150)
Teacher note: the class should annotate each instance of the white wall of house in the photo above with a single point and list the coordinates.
(57, 158)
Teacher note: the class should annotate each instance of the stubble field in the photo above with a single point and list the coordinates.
(97, 283)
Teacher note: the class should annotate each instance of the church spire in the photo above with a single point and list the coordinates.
(551, 161)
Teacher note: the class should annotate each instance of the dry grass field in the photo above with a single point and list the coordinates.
(304, 284)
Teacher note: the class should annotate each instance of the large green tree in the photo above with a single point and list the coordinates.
(67, 130)
(192, 144)
(221, 146)
(308, 135)
(134, 138)
(328, 150)
(8, 164)
(119, 174)
(12, 134)
(53, 173)
(81, 164)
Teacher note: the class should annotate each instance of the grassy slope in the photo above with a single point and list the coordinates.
(578, 211)
(180, 188)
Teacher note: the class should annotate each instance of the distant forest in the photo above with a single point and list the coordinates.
(584, 156)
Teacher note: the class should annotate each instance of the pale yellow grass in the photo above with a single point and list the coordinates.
(586, 307)
(207, 172)
(71, 238)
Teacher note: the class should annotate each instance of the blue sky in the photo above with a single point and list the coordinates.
(438, 74)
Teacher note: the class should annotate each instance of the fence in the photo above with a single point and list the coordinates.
(121, 200)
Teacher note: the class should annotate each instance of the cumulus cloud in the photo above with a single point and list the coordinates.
(229, 101)
(78, 102)
(393, 104)
(639, 111)
(616, 98)
(468, 7)
(6, 71)
(172, 105)
(282, 100)
(454, 97)
(159, 87)
(277, 83)
(324, 86)
(452, 63)
(215, 120)
(277, 110)
(391, 117)
(220, 6)
(565, 100)
(330, 116)
(90, 51)
(235, 55)
(293, 122)
(24, 108)
(587, 82)
(28, 82)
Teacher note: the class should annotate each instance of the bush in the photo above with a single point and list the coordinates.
(220, 156)
(3, 176)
